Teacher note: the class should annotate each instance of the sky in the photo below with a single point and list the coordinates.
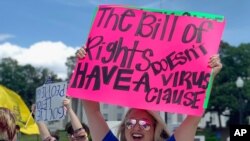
(45, 32)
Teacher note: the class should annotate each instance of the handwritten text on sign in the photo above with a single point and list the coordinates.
(147, 60)
(49, 101)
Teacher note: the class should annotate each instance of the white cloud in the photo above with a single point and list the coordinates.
(4, 37)
(51, 55)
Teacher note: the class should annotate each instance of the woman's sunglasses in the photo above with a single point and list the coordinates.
(79, 138)
(145, 125)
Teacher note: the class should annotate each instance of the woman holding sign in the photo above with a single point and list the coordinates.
(141, 125)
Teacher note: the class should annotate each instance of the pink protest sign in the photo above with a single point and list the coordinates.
(148, 60)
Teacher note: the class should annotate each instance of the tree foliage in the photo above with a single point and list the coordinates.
(23, 79)
(225, 94)
(70, 63)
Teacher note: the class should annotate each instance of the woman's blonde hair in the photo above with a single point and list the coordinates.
(7, 124)
(161, 132)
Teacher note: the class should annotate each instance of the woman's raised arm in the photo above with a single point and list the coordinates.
(97, 124)
(187, 129)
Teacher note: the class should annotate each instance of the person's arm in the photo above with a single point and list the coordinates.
(75, 122)
(44, 132)
(187, 130)
(97, 124)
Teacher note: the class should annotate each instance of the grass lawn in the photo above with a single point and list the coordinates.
(62, 135)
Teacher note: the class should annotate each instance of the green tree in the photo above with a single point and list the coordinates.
(225, 95)
(23, 79)
(70, 63)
